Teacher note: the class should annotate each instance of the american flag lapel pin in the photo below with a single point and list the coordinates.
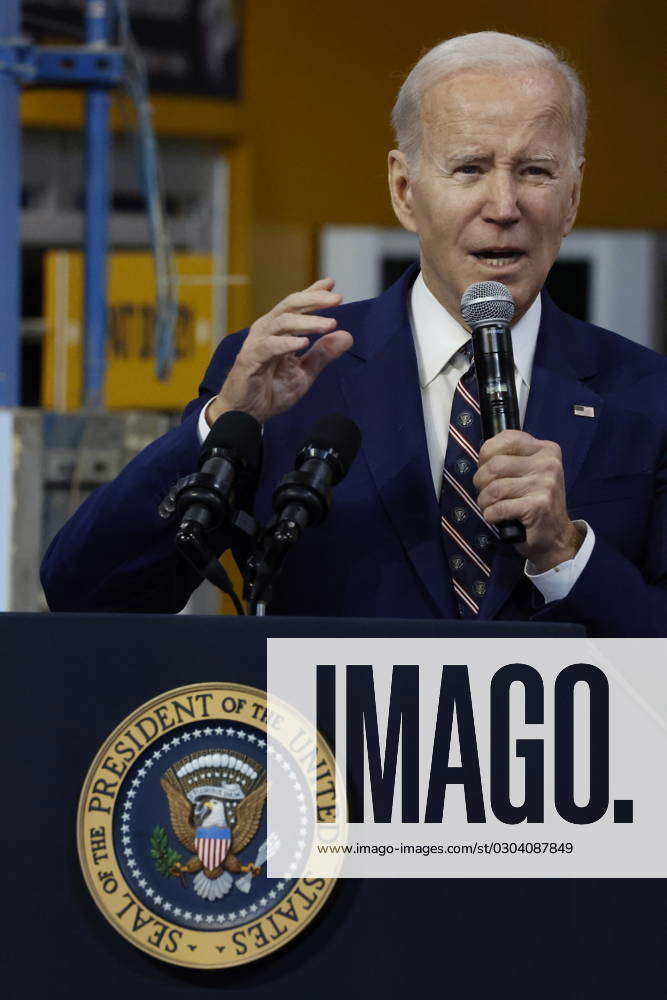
(583, 411)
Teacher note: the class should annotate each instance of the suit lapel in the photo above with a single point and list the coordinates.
(381, 387)
(558, 386)
(561, 365)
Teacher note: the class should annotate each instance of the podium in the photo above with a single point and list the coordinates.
(71, 679)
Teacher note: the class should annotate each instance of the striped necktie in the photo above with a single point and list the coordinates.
(469, 541)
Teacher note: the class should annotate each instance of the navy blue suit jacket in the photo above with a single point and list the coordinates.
(380, 552)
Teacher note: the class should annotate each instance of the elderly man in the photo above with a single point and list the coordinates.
(487, 171)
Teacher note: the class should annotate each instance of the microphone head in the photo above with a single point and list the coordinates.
(336, 434)
(238, 433)
(487, 302)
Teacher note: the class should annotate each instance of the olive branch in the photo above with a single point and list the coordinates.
(164, 857)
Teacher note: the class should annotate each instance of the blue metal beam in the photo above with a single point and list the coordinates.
(10, 152)
(62, 66)
(98, 27)
(97, 66)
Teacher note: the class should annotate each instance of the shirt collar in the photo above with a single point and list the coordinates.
(438, 336)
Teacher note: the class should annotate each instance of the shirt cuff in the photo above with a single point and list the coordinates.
(203, 429)
(557, 582)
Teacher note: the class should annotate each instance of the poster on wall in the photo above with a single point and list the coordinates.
(190, 46)
(131, 382)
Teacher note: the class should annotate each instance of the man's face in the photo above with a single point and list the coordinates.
(495, 189)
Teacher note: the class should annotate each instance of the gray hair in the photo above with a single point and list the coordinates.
(480, 50)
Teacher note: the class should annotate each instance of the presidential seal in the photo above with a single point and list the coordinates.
(172, 829)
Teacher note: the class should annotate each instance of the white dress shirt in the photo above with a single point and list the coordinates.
(438, 342)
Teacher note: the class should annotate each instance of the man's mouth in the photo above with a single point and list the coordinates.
(498, 257)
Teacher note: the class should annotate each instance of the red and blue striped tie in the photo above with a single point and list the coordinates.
(470, 542)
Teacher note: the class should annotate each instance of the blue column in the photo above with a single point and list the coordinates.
(98, 26)
(10, 151)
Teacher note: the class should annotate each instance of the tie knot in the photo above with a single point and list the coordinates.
(468, 351)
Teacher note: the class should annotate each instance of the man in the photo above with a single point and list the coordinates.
(488, 171)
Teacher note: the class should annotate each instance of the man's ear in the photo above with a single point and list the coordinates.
(400, 189)
(575, 196)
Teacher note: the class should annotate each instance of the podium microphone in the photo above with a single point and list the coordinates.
(303, 497)
(229, 456)
(228, 462)
(488, 307)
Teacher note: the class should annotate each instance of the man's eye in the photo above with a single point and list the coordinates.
(468, 168)
(538, 171)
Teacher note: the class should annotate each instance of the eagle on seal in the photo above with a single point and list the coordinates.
(203, 823)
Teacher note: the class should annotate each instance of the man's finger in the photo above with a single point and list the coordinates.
(300, 302)
(502, 467)
(327, 282)
(509, 443)
(275, 347)
(288, 323)
(514, 509)
(326, 349)
(507, 489)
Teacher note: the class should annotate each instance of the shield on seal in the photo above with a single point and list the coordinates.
(212, 843)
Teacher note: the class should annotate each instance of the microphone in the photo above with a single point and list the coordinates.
(228, 461)
(302, 498)
(488, 307)
(229, 458)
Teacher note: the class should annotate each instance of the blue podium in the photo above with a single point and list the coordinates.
(71, 680)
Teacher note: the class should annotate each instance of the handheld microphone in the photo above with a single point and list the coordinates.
(302, 498)
(488, 307)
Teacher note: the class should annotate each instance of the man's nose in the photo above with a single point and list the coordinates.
(501, 198)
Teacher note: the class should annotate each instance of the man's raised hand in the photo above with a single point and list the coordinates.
(269, 376)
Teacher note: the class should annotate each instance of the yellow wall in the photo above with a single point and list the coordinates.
(311, 135)
(322, 77)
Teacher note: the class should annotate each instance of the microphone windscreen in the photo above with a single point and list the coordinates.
(487, 302)
(239, 433)
(338, 433)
